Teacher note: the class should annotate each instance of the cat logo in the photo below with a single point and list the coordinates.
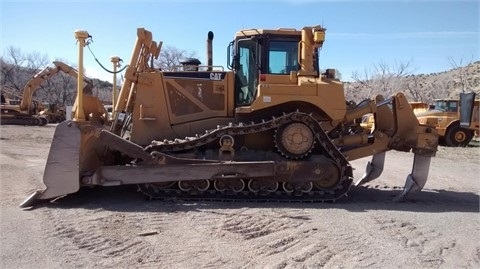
(215, 76)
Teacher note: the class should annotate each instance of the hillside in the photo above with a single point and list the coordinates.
(419, 87)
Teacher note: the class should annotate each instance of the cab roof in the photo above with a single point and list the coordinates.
(279, 31)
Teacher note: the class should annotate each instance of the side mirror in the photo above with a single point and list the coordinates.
(230, 55)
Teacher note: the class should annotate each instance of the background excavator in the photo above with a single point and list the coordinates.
(272, 128)
(32, 112)
(10, 112)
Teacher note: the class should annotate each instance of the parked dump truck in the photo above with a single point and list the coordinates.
(444, 115)
(272, 128)
(419, 106)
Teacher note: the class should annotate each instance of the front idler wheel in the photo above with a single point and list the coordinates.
(327, 176)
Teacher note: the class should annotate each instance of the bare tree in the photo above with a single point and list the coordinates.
(17, 67)
(363, 87)
(437, 89)
(414, 88)
(35, 60)
(59, 90)
(170, 58)
(11, 67)
(388, 78)
(461, 73)
(5, 71)
(382, 79)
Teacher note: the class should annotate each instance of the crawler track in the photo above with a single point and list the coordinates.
(316, 194)
(27, 120)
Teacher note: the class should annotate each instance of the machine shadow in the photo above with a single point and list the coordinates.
(359, 199)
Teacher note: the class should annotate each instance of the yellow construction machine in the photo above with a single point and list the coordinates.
(53, 113)
(272, 128)
(368, 120)
(10, 112)
(445, 116)
(31, 112)
(419, 107)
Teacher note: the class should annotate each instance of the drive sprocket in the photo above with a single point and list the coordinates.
(294, 140)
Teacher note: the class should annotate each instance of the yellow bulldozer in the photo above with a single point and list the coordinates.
(33, 112)
(271, 128)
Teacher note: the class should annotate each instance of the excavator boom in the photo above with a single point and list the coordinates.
(45, 74)
(30, 111)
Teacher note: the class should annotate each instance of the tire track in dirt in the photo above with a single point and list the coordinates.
(251, 226)
(312, 250)
(195, 227)
(293, 239)
(104, 237)
(296, 251)
(431, 245)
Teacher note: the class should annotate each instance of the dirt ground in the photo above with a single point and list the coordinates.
(116, 227)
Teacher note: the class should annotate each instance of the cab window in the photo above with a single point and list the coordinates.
(452, 107)
(283, 57)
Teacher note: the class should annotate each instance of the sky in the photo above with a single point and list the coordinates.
(427, 35)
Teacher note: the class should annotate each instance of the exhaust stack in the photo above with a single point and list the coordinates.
(209, 51)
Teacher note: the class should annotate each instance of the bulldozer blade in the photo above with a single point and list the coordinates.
(417, 179)
(61, 175)
(373, 169)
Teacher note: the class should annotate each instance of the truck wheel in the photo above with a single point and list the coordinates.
(457, 136)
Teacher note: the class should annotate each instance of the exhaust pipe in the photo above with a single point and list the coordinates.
(209, 51)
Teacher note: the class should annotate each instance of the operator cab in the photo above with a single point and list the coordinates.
(256, 54)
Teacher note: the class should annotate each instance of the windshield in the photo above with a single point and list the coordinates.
(447, 106)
